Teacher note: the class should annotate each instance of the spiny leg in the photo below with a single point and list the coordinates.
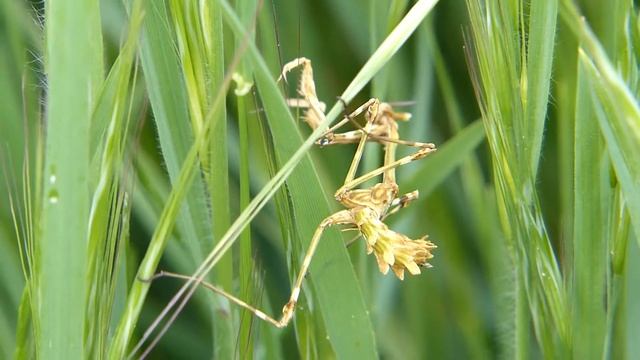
(304, 104)
(329, 137)
(376, 132)
(349, 118)
(390, 143)
(348, 185)
(389, 176)
(218, 290)
(372, 112)
(401, 203)
(341, 217)
(315, 110)
(381, 130)
(350, 137)
(307, 88)
(390, 163)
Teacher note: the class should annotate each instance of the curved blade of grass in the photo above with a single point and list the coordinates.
(622, 126)
(632, 297)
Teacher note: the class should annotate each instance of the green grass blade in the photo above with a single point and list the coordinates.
(75, 72)
(247, 11)
(500, 43)
(169, 102)
(109, 216)
(630, 320)
(541, 41)
(621, 126)
(11, 285)
(589, 242)
(199, 34)
(218, 179)
(18, 104)
(25, 346)
(384, 52)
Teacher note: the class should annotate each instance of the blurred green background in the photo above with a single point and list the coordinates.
(127, 148)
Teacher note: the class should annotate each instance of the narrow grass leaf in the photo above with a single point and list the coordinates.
(74, 67)
(500, 79)
(631, 318)
(541, 41)
(168, 101)
(247, 11)
(106, 216)
(621, 126)
(589, 242)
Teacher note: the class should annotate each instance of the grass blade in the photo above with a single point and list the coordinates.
(541, 40)
(501, 84)
(589, 242)
(621, 126)
(75, 72)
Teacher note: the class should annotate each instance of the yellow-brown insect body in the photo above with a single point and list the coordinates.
(368, 207)
(379, 197)
(391, 249)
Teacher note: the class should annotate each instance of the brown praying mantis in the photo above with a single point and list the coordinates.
(365, 208)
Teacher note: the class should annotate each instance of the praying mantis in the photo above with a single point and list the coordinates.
(365, 208)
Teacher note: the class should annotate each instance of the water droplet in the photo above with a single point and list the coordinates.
(52, 176)
(54, 197)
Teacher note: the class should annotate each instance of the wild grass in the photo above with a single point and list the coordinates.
(152, 135)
